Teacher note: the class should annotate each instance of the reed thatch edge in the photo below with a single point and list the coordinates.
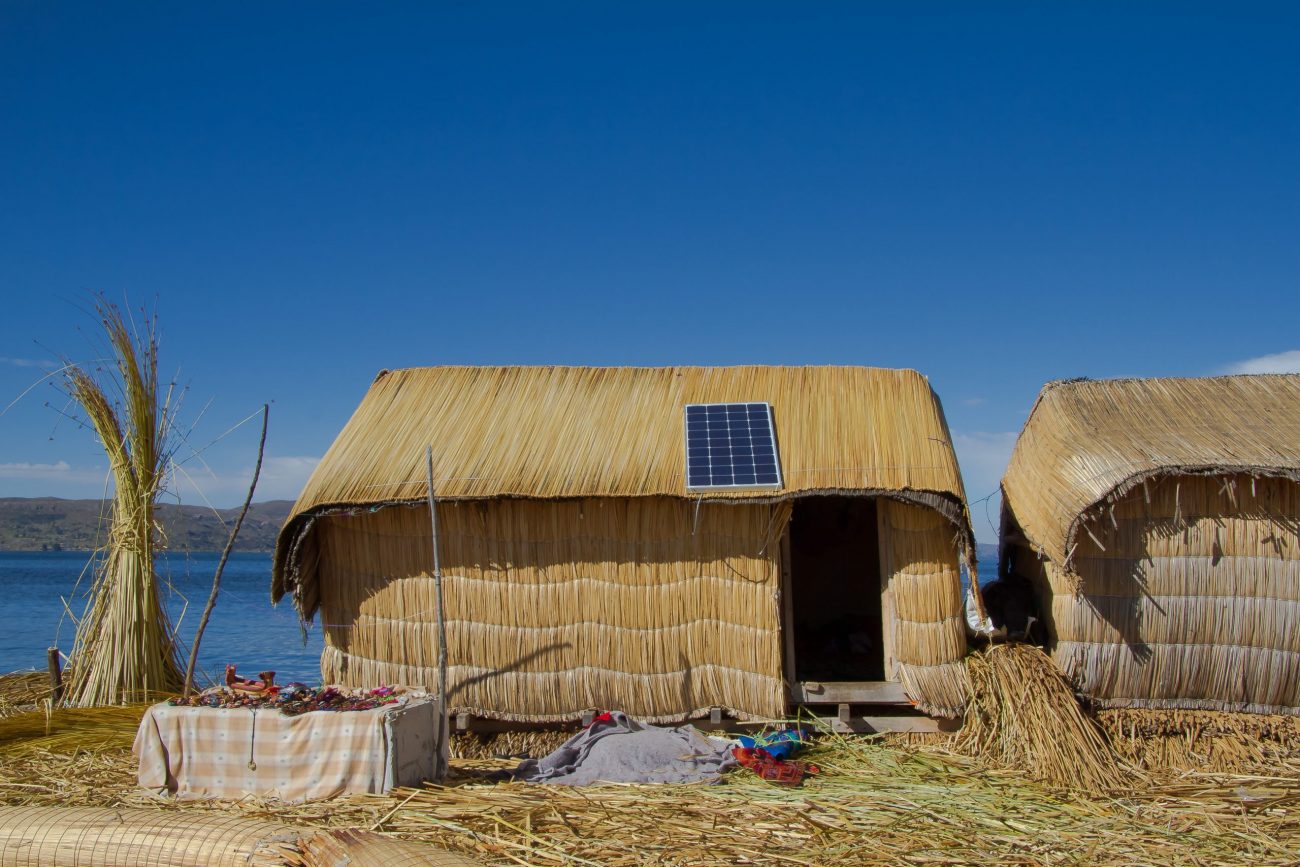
(1012, 532)
(1096, 411)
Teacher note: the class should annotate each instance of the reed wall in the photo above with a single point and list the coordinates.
(554, 608)
(658, 606)
(1185, 593)
(922, 603)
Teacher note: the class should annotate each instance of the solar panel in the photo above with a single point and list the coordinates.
(730, 447)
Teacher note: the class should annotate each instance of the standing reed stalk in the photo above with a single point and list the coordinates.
(125, 647)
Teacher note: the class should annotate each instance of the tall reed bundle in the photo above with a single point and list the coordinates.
(1023, 715)
(124, 646)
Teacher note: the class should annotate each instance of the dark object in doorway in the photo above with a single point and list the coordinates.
(1010, 604)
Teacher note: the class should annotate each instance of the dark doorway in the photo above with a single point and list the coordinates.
(835, 589)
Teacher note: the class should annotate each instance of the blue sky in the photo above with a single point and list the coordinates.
(312, 192)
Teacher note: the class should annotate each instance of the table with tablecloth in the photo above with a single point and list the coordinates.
(203, 752)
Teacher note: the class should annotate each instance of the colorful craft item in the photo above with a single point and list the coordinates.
(291, 699)
(773, 770)
(252, 687)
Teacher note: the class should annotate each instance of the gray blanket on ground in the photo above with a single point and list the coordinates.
(626, 751)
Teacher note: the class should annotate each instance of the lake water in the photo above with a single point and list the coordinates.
(245, 628)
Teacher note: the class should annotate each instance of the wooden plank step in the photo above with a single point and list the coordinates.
(874, 724)
(848, 692)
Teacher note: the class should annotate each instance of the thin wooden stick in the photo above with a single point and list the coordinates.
(225, 555)
(444, 749)
(56, 675)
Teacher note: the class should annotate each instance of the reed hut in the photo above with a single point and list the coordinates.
(583, 568)
(1158, 521)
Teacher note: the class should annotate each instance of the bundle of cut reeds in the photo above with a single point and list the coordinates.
(22, 690)
(1206, 741)
(484, 745)
(124, 646)
(1023, 715)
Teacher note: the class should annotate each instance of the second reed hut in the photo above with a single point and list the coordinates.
(1159, 520)
(592, 561)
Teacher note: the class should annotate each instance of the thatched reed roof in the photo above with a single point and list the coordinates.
(563, 432)
(1086, 443)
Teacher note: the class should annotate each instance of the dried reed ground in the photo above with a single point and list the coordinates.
(874, 803)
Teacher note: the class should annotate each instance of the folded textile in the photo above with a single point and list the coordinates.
(617, 749)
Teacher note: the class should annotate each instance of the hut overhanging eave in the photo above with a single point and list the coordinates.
(1088, 443)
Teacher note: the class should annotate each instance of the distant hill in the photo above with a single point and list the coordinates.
(51, 524)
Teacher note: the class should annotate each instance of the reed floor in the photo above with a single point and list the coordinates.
(875, 802)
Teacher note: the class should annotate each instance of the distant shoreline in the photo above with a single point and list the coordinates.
(36, 524)
(158, 552)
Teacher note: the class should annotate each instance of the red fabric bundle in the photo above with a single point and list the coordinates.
(782, 772)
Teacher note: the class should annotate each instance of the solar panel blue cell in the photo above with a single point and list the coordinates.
(730, 446)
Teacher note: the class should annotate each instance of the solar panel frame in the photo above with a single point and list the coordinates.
(731, 447)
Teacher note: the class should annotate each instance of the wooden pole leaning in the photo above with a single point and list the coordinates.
(443, 745)
(225, 555)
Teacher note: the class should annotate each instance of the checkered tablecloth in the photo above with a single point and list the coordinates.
(196, 752)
